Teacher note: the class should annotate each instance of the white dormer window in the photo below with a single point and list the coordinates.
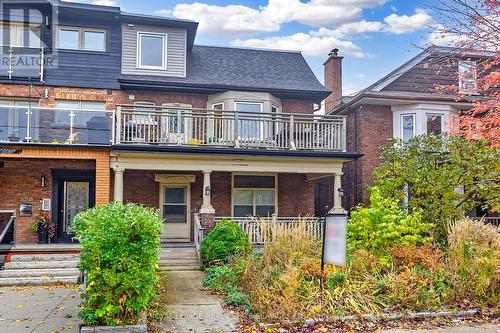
(152, 50)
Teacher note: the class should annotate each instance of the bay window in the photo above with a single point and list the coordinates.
(249, 128)
(407, 126)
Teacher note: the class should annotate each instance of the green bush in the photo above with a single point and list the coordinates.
(384, 224)
(225, 240)
(120, 247)
(220, 278)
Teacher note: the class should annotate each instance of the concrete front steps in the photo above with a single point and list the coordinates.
(179, 258)
(40, 269)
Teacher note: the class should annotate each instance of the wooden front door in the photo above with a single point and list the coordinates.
(176, 212)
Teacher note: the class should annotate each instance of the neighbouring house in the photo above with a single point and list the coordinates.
(126, 107)
(404, 103)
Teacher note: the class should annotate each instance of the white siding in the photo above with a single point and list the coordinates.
(176, 51)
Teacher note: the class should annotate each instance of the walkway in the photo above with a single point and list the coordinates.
(192, 309)
(39, 309)
(462, 329)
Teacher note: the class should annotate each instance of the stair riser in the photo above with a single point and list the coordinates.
(38, 281)
(44, 257)
(179, 268)
(21, 273)
(42, 265)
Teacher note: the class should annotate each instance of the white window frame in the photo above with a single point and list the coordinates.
(442, 115)
(261, 128)
(275, 189)
(164, 37)
(401, 122)
(16, 34)
(81, 40)
(80, 110)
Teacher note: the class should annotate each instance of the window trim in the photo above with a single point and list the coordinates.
(401, 125)
(15, 28)
(164, 37)
(441, 115)
(275, 189)
(81, 40)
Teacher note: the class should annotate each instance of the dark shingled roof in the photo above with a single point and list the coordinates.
(213, 69)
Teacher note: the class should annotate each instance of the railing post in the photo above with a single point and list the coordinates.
(10, 72)
(42, 64)
(118, 122)
(236, 134)
(344, 134)
(113, 127)
(28, 123)
(179, 119)
(292, 133)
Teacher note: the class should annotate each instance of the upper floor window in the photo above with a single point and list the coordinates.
(77, 113)
(409, 123)
(87, 39)
(467, 77)
(20, 35)
(151, 50)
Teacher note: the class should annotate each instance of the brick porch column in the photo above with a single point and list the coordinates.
(337, 208)
(207, 211)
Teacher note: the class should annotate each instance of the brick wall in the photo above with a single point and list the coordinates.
(297, 106)
(368, 129)
(21, 183)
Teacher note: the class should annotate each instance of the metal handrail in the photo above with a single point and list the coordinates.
(9, 224)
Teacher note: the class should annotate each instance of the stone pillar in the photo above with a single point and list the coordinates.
(207, 211)
(337, 208)
(118, 186)
(206, 207)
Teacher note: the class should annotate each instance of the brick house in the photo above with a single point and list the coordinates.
(131, 109)
(402, 104)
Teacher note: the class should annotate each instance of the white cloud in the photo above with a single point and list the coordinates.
(104, 3)
(163, 12)
(400, 24)
(361, 76)
(310, 44)
(228, 20)
(240, 19)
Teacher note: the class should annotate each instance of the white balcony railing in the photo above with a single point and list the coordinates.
(253, 226)
(28, 124)
(199, 127)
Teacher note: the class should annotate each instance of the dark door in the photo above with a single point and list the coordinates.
(73, 192)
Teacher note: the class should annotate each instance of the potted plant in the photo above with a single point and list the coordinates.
(43, 227)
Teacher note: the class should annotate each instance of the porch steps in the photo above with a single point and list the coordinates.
(179, 258)
(40, 269)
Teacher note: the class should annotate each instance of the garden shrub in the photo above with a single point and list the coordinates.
(120, 247)
(473, 262)
(225, 240)
(384, 224)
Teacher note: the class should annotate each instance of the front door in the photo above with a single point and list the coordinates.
(74, 192)
(175, 210)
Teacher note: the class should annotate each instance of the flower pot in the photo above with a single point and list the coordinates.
(42, 234)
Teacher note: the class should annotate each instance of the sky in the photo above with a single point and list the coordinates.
(374, 36)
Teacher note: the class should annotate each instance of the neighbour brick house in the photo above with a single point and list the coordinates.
(135, 111)
(402, 104)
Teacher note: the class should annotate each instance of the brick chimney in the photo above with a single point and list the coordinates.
(333, 79)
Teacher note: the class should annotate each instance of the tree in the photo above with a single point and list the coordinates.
(444, 177)
(473, 26)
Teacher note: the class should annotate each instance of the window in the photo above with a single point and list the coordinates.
(249, 129)
(151, 50)
(467, 77)
(145, 117)
(434, 125)
(254, 195)
(407, 126)
(20, 35)
(87, 39)
(14, 121)
(81, 112)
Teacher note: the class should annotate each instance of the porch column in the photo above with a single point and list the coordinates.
(206, 207)
(207, 211)
(118, 185)
(337, 196)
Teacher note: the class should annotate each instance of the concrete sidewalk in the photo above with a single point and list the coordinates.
(39, 309)
(191, 309)
(461, 329)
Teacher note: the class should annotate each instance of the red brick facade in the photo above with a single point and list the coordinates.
(295, 193)
(368, 129)
(21, 183)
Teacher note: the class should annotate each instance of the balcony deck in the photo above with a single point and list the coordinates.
(174, 127)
